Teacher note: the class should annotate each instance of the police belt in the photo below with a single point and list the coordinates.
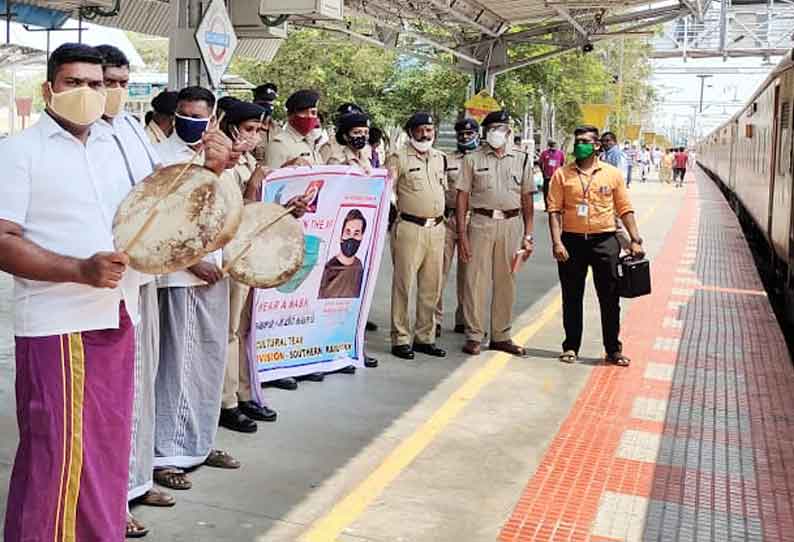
(424, 222)
(497, 214)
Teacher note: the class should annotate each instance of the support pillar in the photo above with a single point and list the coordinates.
(185, 67)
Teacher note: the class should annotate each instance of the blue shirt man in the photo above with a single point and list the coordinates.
(613, 155)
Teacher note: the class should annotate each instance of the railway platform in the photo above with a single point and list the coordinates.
(693, 442)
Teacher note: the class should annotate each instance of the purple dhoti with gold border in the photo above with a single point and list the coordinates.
(74, 409)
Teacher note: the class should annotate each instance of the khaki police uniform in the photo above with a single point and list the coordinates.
(237, 380)
(453, 171)
(290, 144)
(260, 153)
(495, 186)
(334, 149)
(346, 155)
(417, 250)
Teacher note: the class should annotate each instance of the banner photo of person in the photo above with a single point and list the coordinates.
(315, 322)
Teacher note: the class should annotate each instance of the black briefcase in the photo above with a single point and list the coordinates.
(634, 277)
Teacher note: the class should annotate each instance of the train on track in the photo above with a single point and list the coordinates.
(750, 157)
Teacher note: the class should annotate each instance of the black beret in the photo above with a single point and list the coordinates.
(352, 120)
(303, 99)
(496, 117)
(267, 92)
(347, 108)
(165, 102)
(227, 102)
(467, 125)
(418, 119)
(242, 111)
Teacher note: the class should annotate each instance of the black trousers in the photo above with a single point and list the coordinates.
(679, 173)
(600, 252)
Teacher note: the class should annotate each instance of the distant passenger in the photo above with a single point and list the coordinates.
(551, 159)
(613, 155)
(161, 122)
(585, 199)
(645, 163)
(680, 161)
(666, 170)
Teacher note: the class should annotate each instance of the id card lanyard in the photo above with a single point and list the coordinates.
(583, 209)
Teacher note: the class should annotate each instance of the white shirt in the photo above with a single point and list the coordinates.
(140, 158)
(175, 151)
(64, 195)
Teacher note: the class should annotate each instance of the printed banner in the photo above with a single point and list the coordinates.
(596, 114)
(315, 322)
(633, 132)
(649, 137)
(479, 105)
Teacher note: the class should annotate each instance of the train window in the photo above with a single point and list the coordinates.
(784, 145)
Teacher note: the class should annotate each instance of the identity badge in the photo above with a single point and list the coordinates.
(582, 209)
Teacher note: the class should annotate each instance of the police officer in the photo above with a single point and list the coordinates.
(497, 186)
(333, 147)
(417, 241)
(296, 144)
(161, 124)
(468, 136)
(265, 96)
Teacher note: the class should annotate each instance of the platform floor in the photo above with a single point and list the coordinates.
(695, 441)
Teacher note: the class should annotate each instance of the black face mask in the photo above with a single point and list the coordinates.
(350, 247)
(357, 142)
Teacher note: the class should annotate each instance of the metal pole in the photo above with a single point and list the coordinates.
(724, 5)
(703, 78)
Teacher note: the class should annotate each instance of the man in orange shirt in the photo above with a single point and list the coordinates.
(585, 198)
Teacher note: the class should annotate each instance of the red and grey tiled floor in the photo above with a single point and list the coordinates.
(695, 441)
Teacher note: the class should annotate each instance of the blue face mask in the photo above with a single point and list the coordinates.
(471, 145)
(189, 129)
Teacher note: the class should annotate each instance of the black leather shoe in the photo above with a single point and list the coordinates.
(438, 330)
(371, 326)
(234, 419)
(349, 370)
(258, 413)
(283, 384)
(403, 351)
(430, 350)
(369, 362)
(313, 377)
(460, 328)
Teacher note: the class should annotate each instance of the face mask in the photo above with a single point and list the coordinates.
(304, 125)
(497, 140)
(472, 144)
(116, 98)
(319, 136)
(82, 106)
(422, 146)
(357, 142)
(583, 151)
(190, 130)
(350, 246)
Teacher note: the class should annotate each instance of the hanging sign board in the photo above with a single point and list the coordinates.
(216, 41)
(479, 105)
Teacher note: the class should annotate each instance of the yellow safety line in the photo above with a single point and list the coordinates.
(346, 511)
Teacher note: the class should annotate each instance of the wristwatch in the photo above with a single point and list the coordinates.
(530, 238)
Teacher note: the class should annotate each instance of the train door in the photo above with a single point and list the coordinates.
(773, 162)
(734, 135)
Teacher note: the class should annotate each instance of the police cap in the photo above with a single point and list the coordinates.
(266, 93)
(467, 125)
(496, 117)
(227, 102)
(347, 108)
(418, 119)
(240, 111)
(165, 102)
(352, 120)
(302, 99)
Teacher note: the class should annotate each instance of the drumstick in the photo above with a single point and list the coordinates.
(171, 187)
(257, 233)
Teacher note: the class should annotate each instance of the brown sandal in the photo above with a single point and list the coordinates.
(135, 529)
(221, 460)
(510, 347)
(173, 479)
(618, 359)
(155, 497)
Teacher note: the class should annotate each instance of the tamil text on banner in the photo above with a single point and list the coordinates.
(315, 322)
(596, 114)
(479, 105)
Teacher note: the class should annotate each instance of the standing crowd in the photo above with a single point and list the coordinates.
(122, 379)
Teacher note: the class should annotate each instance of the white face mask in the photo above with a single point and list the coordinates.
(422, 146)
(496, 138)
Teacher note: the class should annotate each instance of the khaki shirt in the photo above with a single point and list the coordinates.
(454, 167)
(242, 171)
(290, 144)
(603, 192)
(346, 155)
(260, 153)
(155, 133)
(419, 181)
(334, 149)
(496, 183)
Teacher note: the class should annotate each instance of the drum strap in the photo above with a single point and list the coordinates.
(126, 161)
(152, 161)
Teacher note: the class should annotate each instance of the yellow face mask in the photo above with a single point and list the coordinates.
(82, 106)
(116, 98)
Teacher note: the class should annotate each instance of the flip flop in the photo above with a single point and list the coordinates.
(221, 460)
(569, 356)
(172, 479)
(135, 528)
(155, 497)
(618, 359)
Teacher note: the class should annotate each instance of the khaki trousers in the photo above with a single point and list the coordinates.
(493, 244)
(450, 246)
(237, 380)
(418, 256)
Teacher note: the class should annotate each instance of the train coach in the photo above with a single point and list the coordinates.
(750, 156)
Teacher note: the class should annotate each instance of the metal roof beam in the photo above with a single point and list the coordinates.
(448, 7)
(565, 14)
(716, 53)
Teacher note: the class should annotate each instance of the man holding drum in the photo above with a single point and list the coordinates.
(140, 160)
(194, 312)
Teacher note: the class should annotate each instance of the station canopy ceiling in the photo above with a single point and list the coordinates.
(473, 34)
